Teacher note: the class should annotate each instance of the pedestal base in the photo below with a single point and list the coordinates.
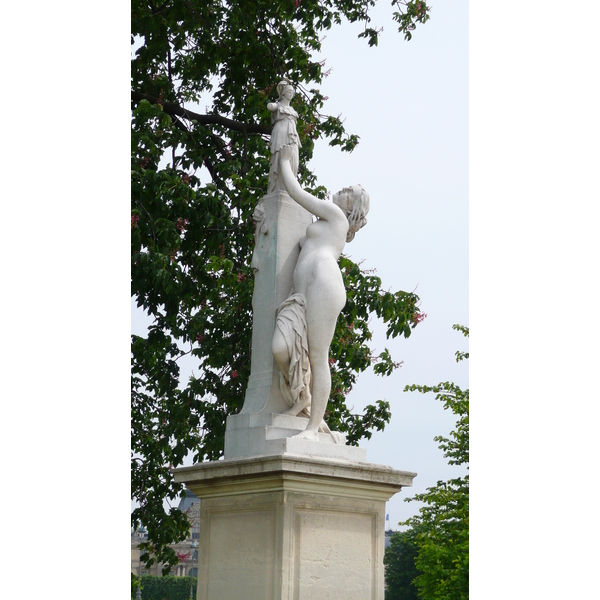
(257, 434)
(291, 528)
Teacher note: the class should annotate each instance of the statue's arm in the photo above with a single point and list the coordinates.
(320, 208)
(272, 106)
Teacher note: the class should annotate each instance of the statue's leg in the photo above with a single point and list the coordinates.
(321, 386)
(323, 306)
(281, 352)
(298, 407)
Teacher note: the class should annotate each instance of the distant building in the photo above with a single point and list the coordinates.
(188, 561)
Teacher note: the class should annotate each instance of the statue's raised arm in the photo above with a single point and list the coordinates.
(306, 320)
(328, 211)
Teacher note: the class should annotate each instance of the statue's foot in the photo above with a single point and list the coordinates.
(307, 434)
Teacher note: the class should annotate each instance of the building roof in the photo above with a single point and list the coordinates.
(187, 499)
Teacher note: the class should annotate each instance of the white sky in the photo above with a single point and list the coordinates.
(534, 127)
(408, 101)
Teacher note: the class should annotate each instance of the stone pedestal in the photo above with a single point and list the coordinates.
(286, 527)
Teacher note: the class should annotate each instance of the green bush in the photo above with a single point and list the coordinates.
(134, 583)
(165, 588)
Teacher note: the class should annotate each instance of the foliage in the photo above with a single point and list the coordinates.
(135, 581)
(400, 569)
(197, 174)
(174, 588)
(442, 525)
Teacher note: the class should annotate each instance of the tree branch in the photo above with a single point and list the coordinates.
(174, 109)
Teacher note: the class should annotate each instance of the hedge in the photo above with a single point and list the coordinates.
(165, 588)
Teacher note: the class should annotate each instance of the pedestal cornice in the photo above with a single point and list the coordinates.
(293, 473)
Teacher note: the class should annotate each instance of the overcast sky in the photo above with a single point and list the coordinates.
(408, 102)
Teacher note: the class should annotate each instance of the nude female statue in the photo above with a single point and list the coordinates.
(306, 320)
(284, 119)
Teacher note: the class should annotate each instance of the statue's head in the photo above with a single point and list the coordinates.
(355, 203)
(285, 89)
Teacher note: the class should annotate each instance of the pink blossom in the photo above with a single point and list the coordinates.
(234, 374)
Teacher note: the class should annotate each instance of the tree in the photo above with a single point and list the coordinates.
(441, 529)
(400, 569)
(197, 175)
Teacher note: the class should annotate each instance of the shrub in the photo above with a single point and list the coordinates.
(165, 588)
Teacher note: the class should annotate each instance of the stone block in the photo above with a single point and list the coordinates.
(292, 527)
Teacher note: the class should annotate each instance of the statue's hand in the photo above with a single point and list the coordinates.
(287, 152)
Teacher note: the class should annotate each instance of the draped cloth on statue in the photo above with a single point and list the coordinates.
(283, 134)
(291, 322)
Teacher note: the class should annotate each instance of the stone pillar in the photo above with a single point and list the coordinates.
(276, 251)
(281, 223)
(291, 527)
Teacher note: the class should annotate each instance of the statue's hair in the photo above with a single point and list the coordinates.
(358, 209)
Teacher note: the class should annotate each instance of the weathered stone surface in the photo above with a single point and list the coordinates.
(291, 528)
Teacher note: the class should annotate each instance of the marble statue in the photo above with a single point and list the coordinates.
(284, 119)
(306, 320)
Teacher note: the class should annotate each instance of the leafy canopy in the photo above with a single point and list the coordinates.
(400, 569)
(202, 73)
